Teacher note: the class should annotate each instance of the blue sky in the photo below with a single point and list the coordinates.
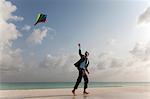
(90, 22)
(103, 27)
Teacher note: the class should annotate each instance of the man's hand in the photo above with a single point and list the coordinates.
(88, 72)
(79, 45)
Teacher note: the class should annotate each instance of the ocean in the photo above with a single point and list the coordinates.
(57, 85)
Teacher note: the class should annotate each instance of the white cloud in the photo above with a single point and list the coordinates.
(107, 60)
(144, 17)
(17, 18)
(26, 28)
(50, 68)
(38, 35)
(8, 33)
(59, 63)
(111, 42)
(6, 9)
(141, 51)
(10, 59)
(105, 66)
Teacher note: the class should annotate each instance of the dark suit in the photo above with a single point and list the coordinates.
(77, 64)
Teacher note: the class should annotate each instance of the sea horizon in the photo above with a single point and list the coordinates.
(63, 85)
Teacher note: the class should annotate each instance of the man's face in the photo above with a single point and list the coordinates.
(86, 54)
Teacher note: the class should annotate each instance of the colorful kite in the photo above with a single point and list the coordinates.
(40, 18)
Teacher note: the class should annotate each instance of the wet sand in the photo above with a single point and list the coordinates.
(95, 93)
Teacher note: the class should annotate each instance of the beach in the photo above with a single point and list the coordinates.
(136, 92)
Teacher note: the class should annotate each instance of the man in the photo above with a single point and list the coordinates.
(82, 65)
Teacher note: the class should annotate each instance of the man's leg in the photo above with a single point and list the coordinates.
(78, 81)
(85, 83)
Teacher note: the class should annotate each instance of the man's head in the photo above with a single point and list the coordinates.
(86, 54)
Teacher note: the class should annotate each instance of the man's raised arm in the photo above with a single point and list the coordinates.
(80, 50)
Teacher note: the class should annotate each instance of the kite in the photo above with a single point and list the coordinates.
(40, 18)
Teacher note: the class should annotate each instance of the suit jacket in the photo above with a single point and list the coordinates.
(77, 64)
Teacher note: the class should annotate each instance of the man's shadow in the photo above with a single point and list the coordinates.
(73, 97)
(84, 97)
(49, 96)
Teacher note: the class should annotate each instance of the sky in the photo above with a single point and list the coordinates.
(116, 33)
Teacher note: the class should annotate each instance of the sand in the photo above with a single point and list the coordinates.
(95, 93)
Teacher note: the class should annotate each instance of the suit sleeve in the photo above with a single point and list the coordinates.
(80, 53)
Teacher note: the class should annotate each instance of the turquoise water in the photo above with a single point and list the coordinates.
(56, 85)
